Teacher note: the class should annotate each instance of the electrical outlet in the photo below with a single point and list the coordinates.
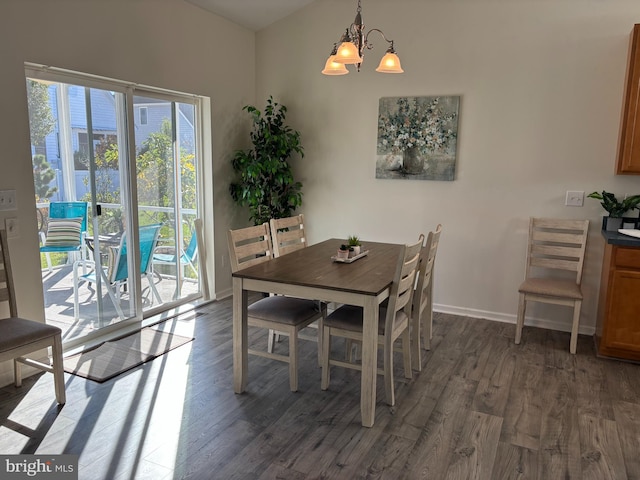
(11, 226)
(8, 200)
(574, 198)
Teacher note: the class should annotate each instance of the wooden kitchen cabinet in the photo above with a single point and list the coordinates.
(629, 139)
(618, 326)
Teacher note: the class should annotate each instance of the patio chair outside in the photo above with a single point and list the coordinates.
(116, 273)
(59, 237)
(187, 259)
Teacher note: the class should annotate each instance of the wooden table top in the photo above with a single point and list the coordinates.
(313, 267)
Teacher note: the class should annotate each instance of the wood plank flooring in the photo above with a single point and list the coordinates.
(482, 408)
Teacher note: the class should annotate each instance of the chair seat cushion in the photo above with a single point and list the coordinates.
(19, 331)
(284, 310)
(164, 257)
(349, 317)
(72, 248)
(551, 287)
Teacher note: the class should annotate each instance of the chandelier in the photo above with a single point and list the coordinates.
(350, 50)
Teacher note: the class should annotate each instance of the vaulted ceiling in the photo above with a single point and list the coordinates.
(252, 14)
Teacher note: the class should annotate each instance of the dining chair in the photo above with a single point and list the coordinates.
(395, 317)
(66, 230)
(20, 336)
(165, 255)
(422, 309)
(116, 274)
(288, 235)
(555, 247)
(251, 246)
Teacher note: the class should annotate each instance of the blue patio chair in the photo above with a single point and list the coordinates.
(62, 230)
(187, 257)
(116, 273)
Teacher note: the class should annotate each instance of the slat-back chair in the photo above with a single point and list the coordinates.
(347, 322)
(19, 336)
(288, 234)
(554, 245)
(422, 310)
(251, 246)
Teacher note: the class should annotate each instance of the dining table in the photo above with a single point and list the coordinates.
(312, 273)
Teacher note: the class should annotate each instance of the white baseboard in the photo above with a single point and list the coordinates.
(495, 316)
(224, 294)
(511, 318)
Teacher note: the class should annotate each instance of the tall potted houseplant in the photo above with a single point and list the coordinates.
(616, 208)
(266, 184)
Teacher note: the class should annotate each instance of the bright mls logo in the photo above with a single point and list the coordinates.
(51, 467)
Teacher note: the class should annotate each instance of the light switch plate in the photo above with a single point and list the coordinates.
(11, 226)
(574, 198)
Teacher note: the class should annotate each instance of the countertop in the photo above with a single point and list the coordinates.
(615, 238)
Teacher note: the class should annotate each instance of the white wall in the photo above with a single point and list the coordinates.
(541, 89)
(164, 43)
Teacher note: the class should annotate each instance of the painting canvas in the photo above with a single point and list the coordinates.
(417, 138)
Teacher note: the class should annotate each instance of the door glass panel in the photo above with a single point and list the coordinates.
(76, 149)
(167, 193)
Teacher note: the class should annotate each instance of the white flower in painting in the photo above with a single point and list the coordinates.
(415, 122)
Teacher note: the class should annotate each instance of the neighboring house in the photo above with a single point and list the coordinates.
(149, 115)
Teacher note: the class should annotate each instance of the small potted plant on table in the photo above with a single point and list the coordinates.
(616, 208)
(353, 242)
(343, 252)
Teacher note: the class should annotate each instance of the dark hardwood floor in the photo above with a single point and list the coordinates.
(481, 408)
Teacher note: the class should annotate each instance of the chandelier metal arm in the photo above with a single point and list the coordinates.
(370, 45)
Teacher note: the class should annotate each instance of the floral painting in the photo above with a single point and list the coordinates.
(417, 138)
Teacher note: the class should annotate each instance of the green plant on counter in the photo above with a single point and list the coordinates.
(615, 207)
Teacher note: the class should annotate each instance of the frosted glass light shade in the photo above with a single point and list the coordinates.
(334, 68)
(348, 53)
(390, 63)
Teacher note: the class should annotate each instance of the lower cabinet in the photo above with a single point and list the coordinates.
(618, 327)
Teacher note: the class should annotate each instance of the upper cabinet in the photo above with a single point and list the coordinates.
(629, 141)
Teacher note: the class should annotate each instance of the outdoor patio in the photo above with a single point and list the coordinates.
(58, 298)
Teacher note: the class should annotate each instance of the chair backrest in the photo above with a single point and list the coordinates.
(70, 210)
(6, 280)
(557, 245)
(192, 249)
(401, 294)
(287, 234)
(148, 237)
(249, 246)
(424, 287)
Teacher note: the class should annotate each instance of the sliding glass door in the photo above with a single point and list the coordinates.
(130, 157)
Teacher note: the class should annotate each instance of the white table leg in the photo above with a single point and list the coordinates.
(240, 337)
(369, 361)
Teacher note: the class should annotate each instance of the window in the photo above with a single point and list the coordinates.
(143, 115)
